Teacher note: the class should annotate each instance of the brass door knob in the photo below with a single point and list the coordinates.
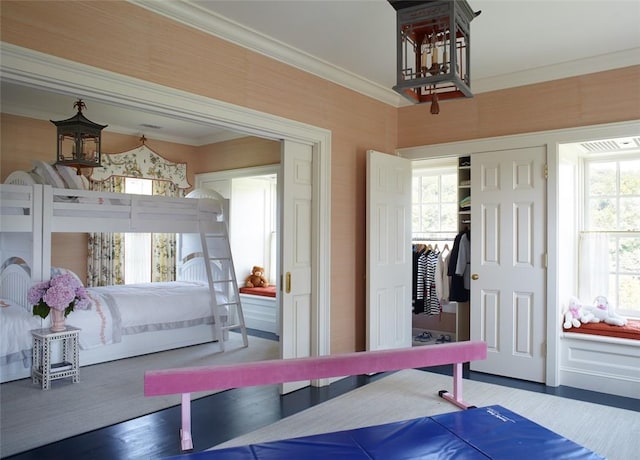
(474, 276)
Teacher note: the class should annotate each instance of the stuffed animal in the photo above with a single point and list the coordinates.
(604, 311)
(256, 278)
(576, 315)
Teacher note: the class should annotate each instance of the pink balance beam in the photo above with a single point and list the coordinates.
(222, 377)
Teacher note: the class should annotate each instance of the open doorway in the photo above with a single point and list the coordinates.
(253, 209)
(440, 202)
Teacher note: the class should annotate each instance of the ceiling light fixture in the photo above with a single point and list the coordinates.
(78, 140)
(433, 59)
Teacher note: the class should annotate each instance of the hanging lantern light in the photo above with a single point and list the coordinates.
(78, 140)
(433, 43)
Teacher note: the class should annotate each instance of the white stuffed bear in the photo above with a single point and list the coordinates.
(576, 315)
(604, 311)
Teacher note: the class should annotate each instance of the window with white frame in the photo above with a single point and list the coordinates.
(611, 236)
(137, 246)
(435, 202)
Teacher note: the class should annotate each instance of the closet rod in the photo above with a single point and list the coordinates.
(434, 239)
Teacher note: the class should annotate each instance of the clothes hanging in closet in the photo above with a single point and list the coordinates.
(432, 302)
(419, 276)
(457, 290)
(425, 288)
(442, 278)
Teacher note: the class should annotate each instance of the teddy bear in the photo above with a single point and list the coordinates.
(576, 315)
(256, 278)
(605, 312)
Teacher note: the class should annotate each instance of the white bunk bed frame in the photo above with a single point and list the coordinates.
(40, 210)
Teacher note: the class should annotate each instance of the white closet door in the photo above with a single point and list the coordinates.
(508, 291)
(389, 259)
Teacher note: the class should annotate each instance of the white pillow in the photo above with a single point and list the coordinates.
(48, 173)
(71, 177)
(55, 271)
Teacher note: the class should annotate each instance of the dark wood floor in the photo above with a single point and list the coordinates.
(244, 410)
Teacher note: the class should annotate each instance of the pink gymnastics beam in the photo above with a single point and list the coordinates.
(187, 380)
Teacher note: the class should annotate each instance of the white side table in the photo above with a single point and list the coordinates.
(42, 369)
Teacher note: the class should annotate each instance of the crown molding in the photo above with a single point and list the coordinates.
(214, 24)
(28, 67)
(567, 69)
(192, 15)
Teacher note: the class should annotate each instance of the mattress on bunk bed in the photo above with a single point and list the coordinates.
(15, 341)
(116, 311)
(480, 433)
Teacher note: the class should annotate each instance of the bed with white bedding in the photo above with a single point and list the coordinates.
(122, 321)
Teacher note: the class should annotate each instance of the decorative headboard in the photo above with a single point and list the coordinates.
(23, 178)
(15, 281)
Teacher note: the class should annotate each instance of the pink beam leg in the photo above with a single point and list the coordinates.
(185, 432)
(456, 398)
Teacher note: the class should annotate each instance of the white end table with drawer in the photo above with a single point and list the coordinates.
(43, 370)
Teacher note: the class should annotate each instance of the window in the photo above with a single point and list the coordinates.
(612, 209)
(435, 203)
(137, 246)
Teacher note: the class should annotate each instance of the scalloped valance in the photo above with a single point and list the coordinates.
(141, 162)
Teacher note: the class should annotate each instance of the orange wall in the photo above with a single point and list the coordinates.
(603, 97)
(238, 153)
(151, 47)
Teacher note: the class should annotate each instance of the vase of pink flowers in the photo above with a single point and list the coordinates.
(60, 296)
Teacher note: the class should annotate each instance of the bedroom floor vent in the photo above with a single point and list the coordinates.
(221, 275)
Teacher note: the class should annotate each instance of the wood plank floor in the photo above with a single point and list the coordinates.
(226, 415)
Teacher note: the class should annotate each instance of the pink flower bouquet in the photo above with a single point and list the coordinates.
(62, 292)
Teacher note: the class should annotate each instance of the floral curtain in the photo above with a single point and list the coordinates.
(106, 257)
(106, 250)
(163, 258)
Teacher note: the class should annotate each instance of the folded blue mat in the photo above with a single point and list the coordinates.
(480, 433)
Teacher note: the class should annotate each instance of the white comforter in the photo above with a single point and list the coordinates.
(123, 310)
(15, 339)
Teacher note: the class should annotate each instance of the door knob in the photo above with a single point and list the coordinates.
(288, 283)
(474, 276)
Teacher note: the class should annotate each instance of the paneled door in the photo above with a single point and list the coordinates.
(508, 261)
(389, 259)
(295, 247)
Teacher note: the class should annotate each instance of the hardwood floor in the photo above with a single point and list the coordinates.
(244, 410)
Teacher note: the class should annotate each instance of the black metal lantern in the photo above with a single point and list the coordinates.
(78, 140)
(433, 43)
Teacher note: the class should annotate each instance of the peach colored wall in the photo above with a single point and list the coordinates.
(148, 46)
(603, 97)
(237, 153)
(151, 47)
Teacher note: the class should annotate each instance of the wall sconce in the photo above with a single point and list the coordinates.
(78, 140)
(433, 43)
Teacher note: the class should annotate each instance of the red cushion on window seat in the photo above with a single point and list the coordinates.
(269, 291)
(630, 331)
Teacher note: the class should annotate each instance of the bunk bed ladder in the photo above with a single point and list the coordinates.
(216, 250)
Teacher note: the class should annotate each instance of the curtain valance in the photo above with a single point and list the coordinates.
(141, 162)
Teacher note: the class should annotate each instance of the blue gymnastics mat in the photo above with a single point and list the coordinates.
(479, 433)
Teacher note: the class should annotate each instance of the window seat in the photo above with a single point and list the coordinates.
(601, 357)
(630, 331)
(260, 309)
(269, 291)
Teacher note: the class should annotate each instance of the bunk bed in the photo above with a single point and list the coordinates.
(123, 321)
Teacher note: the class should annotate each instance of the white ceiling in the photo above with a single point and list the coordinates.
(352, 42)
